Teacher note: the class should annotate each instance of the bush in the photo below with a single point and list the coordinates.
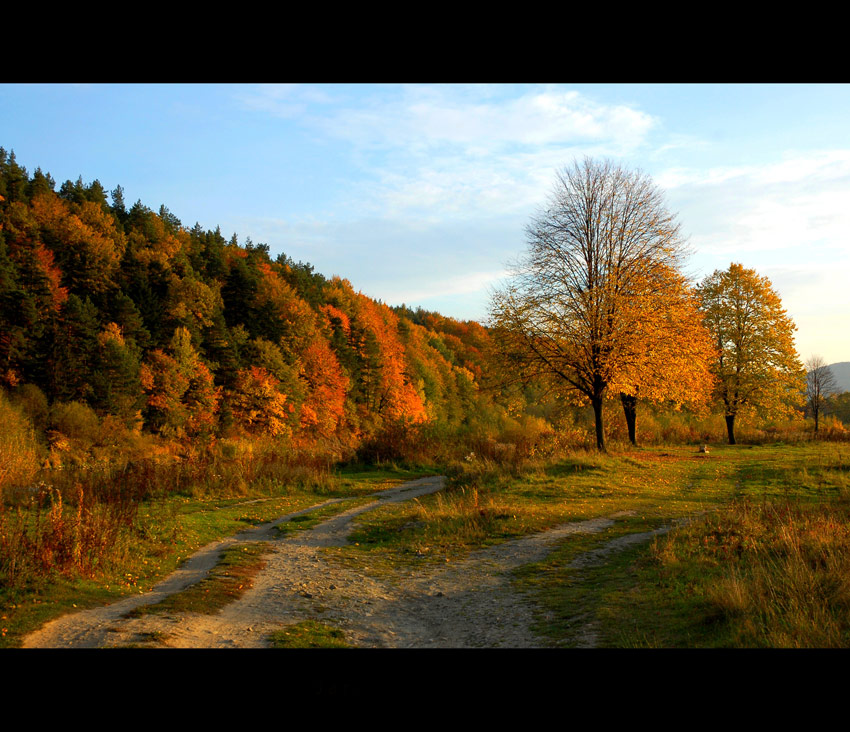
(77, 421)
(33, 402)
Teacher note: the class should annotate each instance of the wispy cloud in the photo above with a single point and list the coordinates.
(285, 101)
(792, 203)
(788, 219)
(423, 118)
(457, 151)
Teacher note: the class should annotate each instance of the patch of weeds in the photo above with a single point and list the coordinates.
(313, 518)
(227, 581)
(770, 574)
(309, 634)
(153, 637)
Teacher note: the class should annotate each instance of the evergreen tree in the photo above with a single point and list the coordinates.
(14, 180)
(40, 184)
(119, 210)
(76, 350)
(238, 293)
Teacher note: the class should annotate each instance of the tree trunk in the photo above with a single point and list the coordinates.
(730, 428)
(816, 419)
(597, 414)
(630, 410)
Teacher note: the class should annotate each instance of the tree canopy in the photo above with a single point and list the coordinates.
(188, 333)
(757, 368)
(589, 304)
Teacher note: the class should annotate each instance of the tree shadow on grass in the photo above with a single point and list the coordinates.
(567, 468)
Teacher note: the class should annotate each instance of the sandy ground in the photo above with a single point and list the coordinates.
(467, 604)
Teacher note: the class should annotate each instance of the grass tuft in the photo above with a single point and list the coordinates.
(308, 634)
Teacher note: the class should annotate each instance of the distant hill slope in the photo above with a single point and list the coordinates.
(841, 372)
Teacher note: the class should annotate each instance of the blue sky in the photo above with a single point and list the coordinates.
(420, 194)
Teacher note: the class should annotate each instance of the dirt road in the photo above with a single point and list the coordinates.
(468, 604)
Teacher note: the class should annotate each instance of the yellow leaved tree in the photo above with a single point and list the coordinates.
(667, 353)
(757, 368)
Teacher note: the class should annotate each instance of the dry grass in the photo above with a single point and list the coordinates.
(779, 573)
(18, 447)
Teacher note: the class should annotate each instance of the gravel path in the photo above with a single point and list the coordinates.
(465, 604)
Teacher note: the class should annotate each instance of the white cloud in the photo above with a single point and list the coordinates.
(789, 220)
(797, 202)
(456, 151)
(451, 151)
(282, 100)
(816, 166)
(426, 117)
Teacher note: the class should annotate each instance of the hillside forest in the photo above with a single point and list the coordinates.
(119, 323)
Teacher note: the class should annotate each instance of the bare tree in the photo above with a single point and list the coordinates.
(579, 299)
(820, 385)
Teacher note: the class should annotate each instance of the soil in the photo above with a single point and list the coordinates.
(465, 604)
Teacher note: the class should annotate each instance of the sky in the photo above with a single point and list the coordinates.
(420, 194)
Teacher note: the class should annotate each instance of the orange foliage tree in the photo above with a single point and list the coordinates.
(182, 398)
(388, 385)
(257, 403)
(323, 409)
(84, 238)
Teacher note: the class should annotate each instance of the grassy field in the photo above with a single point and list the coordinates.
(761, 558)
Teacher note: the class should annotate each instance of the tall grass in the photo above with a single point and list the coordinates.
(79, 514)
(47, 536)
(778, 573)
(18, 447)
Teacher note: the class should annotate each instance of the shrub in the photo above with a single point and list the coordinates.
(75, 420)
(33, 402)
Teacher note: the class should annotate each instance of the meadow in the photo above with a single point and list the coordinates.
(758, 556)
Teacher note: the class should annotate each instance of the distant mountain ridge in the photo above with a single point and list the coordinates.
(841, 372)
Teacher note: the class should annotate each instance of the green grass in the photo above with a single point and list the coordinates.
(308, 634)
(231, 577)
(484, 505)
(703, 585)
(768, 565)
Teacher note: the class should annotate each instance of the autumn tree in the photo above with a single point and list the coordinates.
(181, 396)
(116, 384)
(323, 409)
(820, 385)
(669, 354)
(257, 403)
(568, 313)
(757, 368)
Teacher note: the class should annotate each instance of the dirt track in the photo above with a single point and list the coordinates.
(457, 605)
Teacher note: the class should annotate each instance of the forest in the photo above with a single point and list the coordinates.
(123, 315)
(141, 358)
